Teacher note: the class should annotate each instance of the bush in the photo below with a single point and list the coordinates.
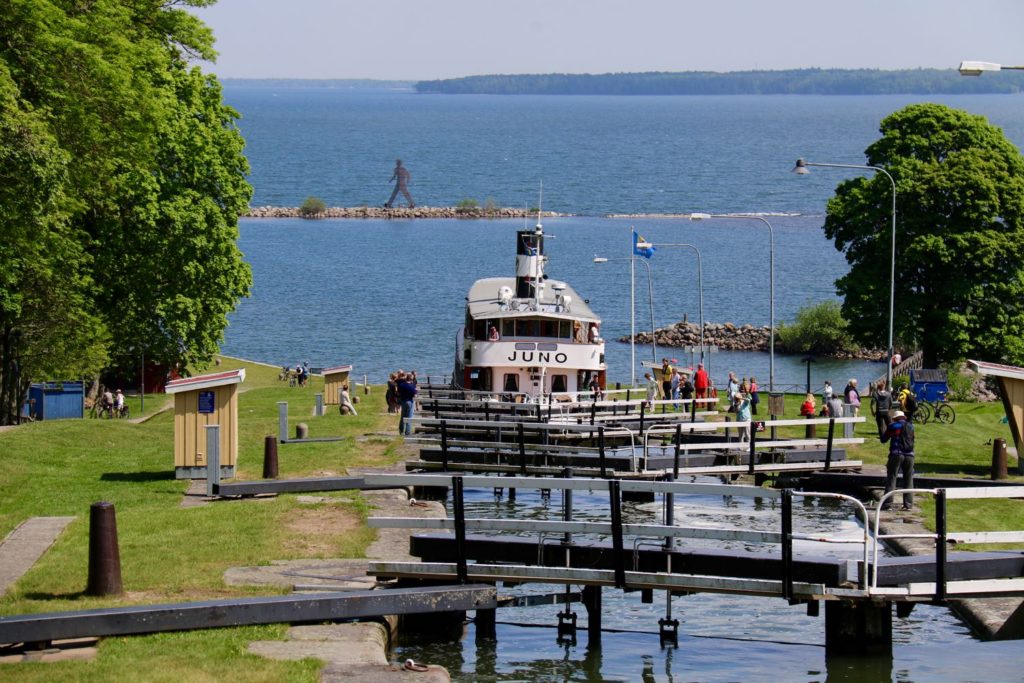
(467, 206)
(491, 206)
(819, 329)
(312, 207)
(961, 384)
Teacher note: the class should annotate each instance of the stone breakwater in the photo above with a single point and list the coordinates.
(730, 337)
(397, 212)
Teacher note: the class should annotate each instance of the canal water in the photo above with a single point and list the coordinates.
(721, 637)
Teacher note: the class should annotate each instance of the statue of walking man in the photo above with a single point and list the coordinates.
(401, 177)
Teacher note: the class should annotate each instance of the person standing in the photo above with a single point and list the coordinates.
(407, 400)
(391, 395)
(401, 176)
(835, 406)
(755, 395)
(119, 403)
(674, 385)
(652, 390)
(666, 379)
(883, 404)
(700, 381)
(852, 397)
(742, 403)
(685, 388)
(900, 435)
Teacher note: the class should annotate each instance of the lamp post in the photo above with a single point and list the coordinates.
(978, 68)
(650, 299)
(771, 283)
(801, 169)
(700, 288)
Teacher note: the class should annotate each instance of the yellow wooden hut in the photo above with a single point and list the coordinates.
(1011, 390)
(200, 402)
(334, 379)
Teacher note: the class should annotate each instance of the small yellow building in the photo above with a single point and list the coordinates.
(1011, 390)
(334, 379)
(200, 402)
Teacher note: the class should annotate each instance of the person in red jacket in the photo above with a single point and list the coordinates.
(700, 381)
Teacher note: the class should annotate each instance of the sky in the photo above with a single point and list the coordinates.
(422, 39)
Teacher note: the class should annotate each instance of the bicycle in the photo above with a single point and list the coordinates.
(940, 409)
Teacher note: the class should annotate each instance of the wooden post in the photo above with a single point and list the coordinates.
(592, 601)
(857, 628)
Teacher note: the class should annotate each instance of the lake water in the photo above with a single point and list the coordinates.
(388, 294)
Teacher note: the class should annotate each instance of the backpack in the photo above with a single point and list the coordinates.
(905, 440)
(911, 406)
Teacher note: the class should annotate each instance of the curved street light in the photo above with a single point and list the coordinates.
(801, 169)
(771, 282)
(700, 288)
(650, 299)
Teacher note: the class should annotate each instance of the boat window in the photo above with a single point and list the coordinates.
(564, 329)
(480, 329)
(548, 328)
(508, 328)
(559, 384)
(511, 383)
(527, 328)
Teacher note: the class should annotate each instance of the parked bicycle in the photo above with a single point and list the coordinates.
(940, 410)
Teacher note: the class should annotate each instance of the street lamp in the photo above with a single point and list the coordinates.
(977, 68)
(771, 283)
(700, 288)
(801, 169)
(650, 299)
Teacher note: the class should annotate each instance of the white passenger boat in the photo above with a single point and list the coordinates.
(529, 337)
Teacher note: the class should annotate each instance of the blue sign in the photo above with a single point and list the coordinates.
(206, 401)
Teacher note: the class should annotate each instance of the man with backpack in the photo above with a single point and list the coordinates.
(900, 435)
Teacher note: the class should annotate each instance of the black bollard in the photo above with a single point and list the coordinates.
(999, 459)
(270, 457)
(301, 431)
(104, 557)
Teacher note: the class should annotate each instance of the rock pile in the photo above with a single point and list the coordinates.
(397, 212)
(730, 337)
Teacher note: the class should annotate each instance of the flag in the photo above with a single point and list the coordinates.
(642, 247)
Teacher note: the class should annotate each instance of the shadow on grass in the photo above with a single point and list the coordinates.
(160, 475)
(972, 471)
(77, 595)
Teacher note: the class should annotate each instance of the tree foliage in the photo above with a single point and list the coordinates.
(121, 181)
(819, 329)
(959, 288)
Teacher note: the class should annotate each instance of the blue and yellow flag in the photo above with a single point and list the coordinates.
(642, 247)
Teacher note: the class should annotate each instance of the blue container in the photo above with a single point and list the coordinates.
(55, 400)
(929, 385)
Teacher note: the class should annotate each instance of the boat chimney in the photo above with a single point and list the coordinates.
(529, 262)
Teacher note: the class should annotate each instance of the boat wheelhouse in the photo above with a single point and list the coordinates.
(529, 337)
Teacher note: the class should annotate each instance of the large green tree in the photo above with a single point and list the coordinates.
(959, 238)
(123, 178)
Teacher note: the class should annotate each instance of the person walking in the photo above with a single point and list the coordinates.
(401, 176)
(652, 390)
(407, 400)
(900, 435)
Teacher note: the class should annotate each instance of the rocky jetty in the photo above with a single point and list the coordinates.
(396, 212)
(730, 337)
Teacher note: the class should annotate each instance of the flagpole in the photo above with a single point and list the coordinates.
(632, 306)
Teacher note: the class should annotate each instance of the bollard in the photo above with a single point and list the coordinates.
(811, 431)
(301, 431)
(848, 426)
(104, 557)
(282, 421)
(270, 457)
(999, 459)
(366, 386)
(212, 459)
(319, 412)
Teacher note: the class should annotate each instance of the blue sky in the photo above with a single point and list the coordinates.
(417, 39)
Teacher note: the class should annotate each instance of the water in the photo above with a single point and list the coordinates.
(595, 154)
(389, 294)
(721, 637)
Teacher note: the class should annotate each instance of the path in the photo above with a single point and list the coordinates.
(26, 544)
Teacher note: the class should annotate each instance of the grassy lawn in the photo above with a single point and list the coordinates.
(169, 553)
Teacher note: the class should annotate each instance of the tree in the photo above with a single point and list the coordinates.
(121, 181)
(819, 329)
(959, 238)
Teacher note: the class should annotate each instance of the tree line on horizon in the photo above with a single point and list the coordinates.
(785, 82)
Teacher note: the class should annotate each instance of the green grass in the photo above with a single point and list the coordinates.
(169, 553)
